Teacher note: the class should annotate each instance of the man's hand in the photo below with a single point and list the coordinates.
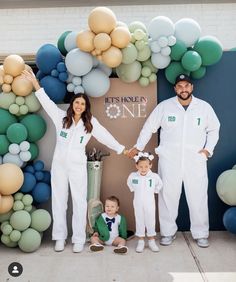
(207, 154)
(132, 152)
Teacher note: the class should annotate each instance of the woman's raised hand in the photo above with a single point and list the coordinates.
(29, 75)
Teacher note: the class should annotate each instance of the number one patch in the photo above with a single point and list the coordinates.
(81, 139)
(150, 182)
(198, 121)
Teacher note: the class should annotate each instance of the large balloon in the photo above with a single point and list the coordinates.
(188, 31)
(129, 73)
(6, 203)
(225, 187)
(30, 240)
(102, 41)
(21, 86)
(13, 65)
(55, 89)
(11, 178)
(112, 57)
(129, 54)
(191, 61)
(102, 19)
(160, 61)
(210, 50)
(61, 41)
(229, 220)
(6, 120)
(120, 37)
(85, 40)
(160, 26)
(178, 50)
(173, 70)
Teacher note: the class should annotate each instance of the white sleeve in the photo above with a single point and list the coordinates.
(129, 182)
(212, 131)
(49, 106)
(151, 126)
(158, 184)
(105, 137)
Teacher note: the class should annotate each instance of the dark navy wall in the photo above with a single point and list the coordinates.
(218, 87)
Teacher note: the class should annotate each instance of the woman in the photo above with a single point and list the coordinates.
(74, 128)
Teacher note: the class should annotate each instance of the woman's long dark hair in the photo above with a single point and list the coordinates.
(86, 115)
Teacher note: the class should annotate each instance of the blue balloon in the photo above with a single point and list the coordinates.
(54, 73)
(41, 192)
(47, 58)
(39, 165)
(229, 220)
(40, 75)
(46, 177)
(63, 76)
(39, 175)
(61, 67)
(55, 89)
(29, 182)
(29, 168)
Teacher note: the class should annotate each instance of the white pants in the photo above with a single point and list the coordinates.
(76, 177)
(145, 218)
(193, 173)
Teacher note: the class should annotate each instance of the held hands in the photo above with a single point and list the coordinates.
(131, 152)
(29, 75)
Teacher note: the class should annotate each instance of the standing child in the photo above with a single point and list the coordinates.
(144, 183)
(110, 228)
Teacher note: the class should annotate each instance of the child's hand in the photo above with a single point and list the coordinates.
(95, 234)
(29, 75)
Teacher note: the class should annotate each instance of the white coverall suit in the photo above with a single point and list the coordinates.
(69, 166)
(183, 134)
(144, 188)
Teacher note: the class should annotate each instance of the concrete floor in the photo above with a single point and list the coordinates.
(182, 261)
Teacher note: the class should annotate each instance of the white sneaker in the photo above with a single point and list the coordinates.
(203, 242)
(153, 246)
(140, 246)
(167, 240)
(78, 248)
(59, 246)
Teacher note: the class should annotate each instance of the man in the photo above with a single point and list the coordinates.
(189, 133)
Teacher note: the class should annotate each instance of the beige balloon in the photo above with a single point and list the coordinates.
(120, 37)
(112, 57)
(28, 68)
(84, 40)
(21, 86)
(102, 19)
(11, 178)
(8, 78)
(102, 41)
(13, 65)
(6, 203)
(6, 88)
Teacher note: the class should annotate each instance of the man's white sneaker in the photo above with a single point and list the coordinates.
(153, 246)
(203, 242)
(59, 245)
(167, 240)
(78, 248)
(140, 246)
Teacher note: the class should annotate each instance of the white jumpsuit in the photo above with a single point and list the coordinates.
(69, 166)
(144, 188)
(183, 134)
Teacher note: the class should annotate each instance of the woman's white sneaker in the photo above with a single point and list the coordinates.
(140, 246)
(78, 248)
(59, 245)
(153, 246)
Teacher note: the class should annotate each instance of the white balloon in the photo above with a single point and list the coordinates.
(162, 41)
(24, 146)
(166, 51)
(105, 69)
(171, 40)
(76, 80)
(160, 61)
(13, 159)
(160, 26)
(70, 41)
(70, 77)
(14, 149)
(78, 62)
(155, 47)
(188, 31)
(25, 156)
(78, 89)
(96, 83)
(70, 87)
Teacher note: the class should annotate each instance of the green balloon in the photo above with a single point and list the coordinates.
(20, 220)
(199, 73)
(152, 77)
(11, 244)
(146, 71)
(143, 81)
(7, 229)
(129, 73)
(30, 240)
(210, 50)
(32, 122)
(34, 150)
(18, 196)
(6, 99)
(61, 41)
(225, 187)
(191, 61)
(149, 64)
(6, 120)
(139, 34)
(6, 216)
(4, 144)
(129, 54)
(23, 109)
(144, 54)
(5, 239)
(3, 224)
(27, 199)
(17, 133)
(137, 25)
(40, 220)
(32, 103)
(178, 50)
(140, 44)
(173, 70)
(14, 109)
(15, 236)
(28, 208)
(20, 100)
(18, 205)
(232, 49)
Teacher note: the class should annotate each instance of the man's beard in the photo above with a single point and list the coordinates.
(184, 98)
